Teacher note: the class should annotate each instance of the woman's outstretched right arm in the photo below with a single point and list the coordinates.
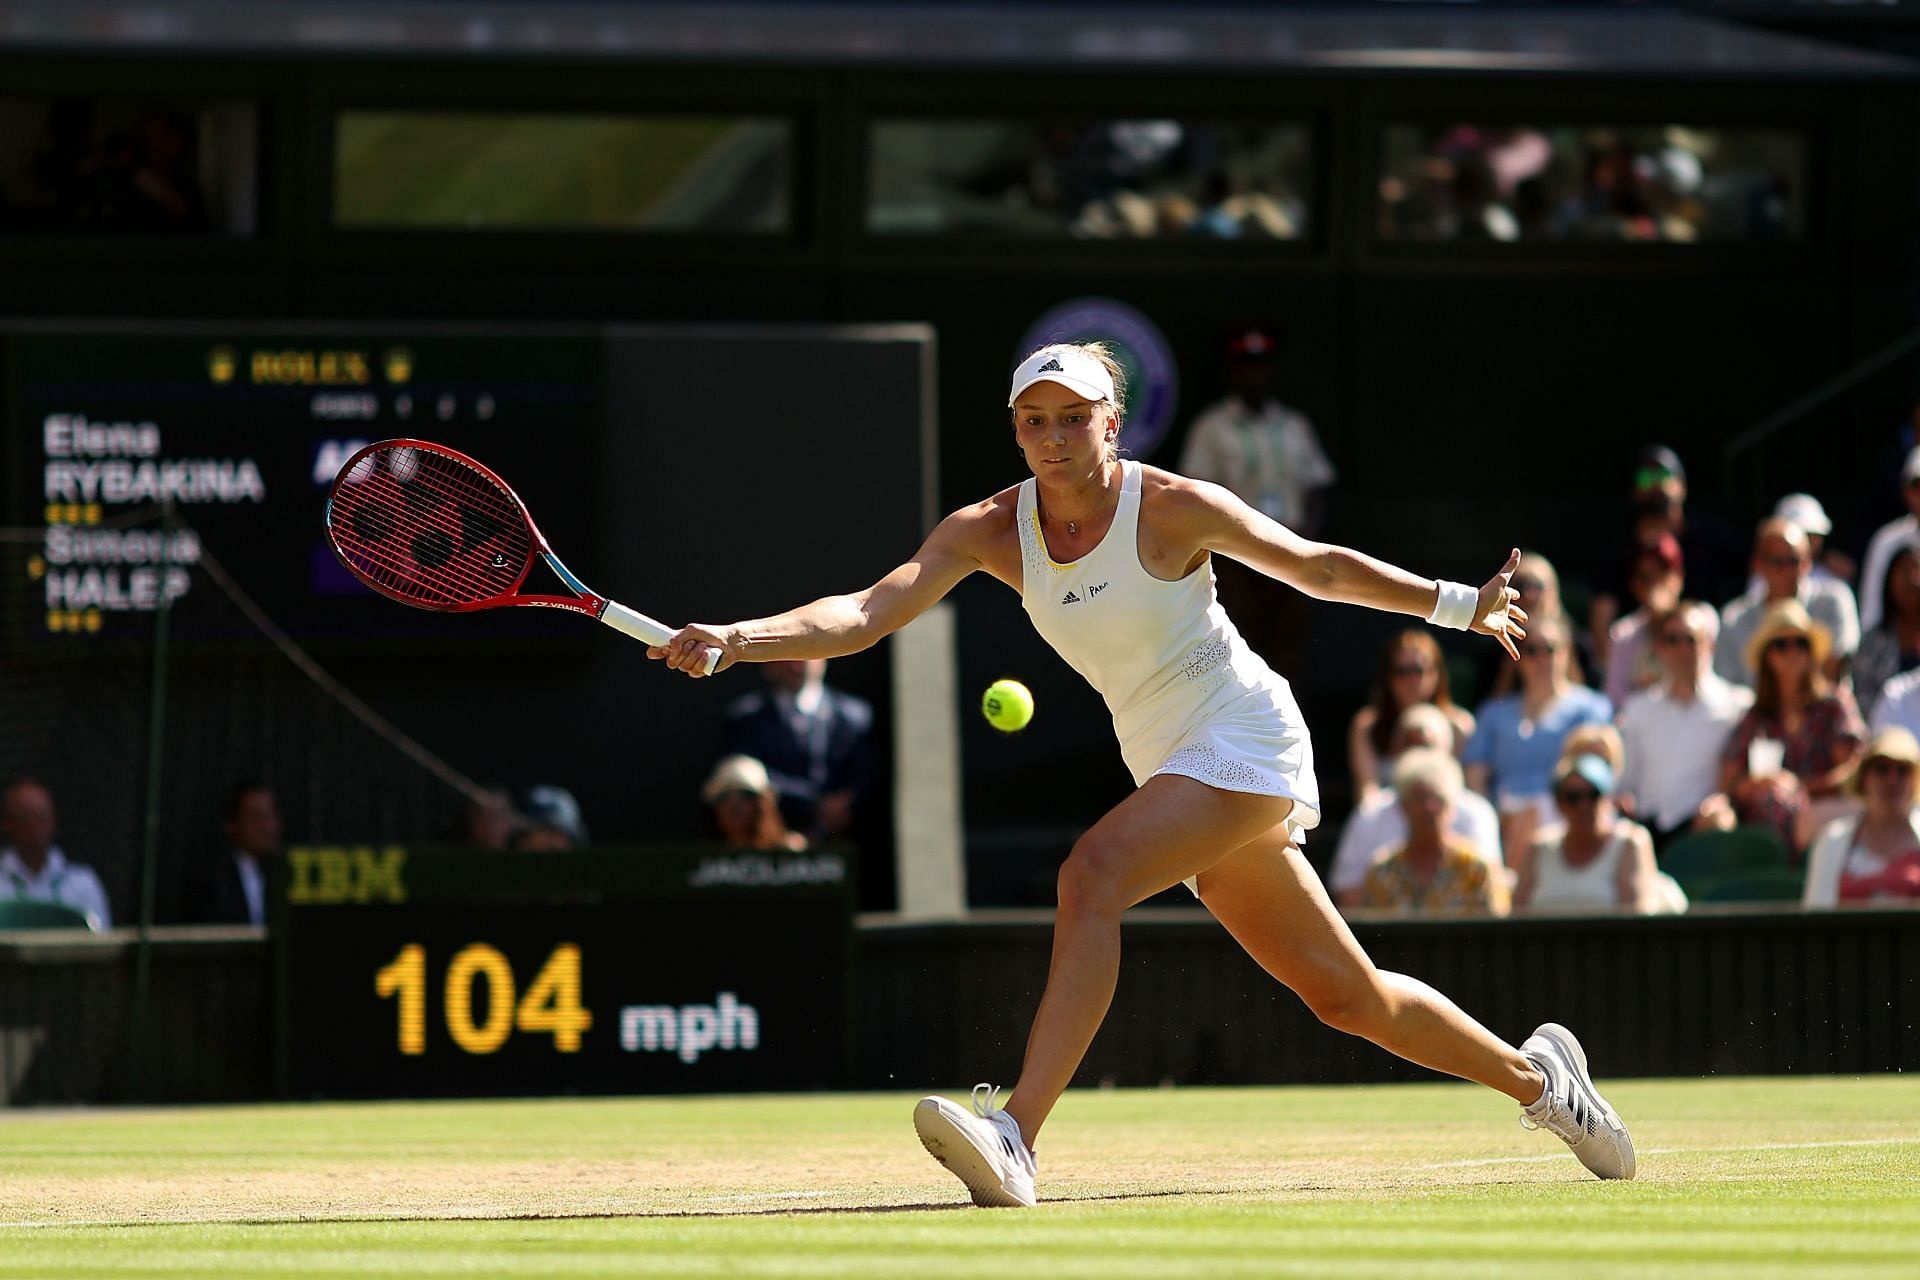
(833, 626)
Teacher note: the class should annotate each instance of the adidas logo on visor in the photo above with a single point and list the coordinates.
(1052, 365)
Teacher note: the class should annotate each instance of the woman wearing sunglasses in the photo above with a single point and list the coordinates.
(1873, 855)
(1784, 765)
(1597, 859)
(1412, 673)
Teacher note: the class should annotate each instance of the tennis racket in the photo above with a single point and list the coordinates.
(428, 526)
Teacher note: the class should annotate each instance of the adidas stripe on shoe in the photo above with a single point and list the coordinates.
(1572, 1109)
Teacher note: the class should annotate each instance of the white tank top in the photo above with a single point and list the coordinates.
(1595, 885)
(1164, 655)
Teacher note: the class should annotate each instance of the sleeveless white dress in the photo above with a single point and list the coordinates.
(1187, 695)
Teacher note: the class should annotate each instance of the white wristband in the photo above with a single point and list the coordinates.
(1455, 607)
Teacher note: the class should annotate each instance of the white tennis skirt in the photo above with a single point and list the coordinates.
(1251, 746)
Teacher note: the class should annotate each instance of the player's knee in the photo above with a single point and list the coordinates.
(1357, 1008)
(1089, 882)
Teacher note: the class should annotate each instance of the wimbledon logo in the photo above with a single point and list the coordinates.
(1153, 381)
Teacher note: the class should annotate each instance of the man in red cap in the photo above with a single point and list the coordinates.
(1269, 456)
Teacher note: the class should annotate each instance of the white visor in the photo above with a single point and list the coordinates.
(1071, 367)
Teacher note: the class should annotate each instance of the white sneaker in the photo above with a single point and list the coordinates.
(984, 1150)
(1572, 1108)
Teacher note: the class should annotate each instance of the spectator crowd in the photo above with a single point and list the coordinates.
(1776, 731)
(1715, 697)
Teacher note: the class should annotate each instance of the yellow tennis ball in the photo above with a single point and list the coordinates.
(1008, 705)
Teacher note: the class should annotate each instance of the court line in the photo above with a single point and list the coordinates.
(479, 1213)
(1684, 1151)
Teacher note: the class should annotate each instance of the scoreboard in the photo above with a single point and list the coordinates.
(241, 430)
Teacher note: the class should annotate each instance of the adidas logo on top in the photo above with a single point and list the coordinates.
(1052, 365)
(1070, 598)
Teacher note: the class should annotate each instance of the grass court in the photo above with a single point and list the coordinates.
(1738, 1178)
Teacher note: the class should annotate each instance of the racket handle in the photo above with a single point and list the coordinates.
(646, 630)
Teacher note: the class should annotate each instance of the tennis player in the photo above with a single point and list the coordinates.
(1112, 562)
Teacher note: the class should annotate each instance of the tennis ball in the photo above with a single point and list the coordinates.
(1008, 705)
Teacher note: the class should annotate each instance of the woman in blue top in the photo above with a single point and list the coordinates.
(1516, 743)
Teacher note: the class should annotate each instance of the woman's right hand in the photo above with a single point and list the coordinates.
(687, 649)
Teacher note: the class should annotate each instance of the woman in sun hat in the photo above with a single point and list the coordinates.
(1874, 854)
(745, 807)
(1807, 730)
(1113, 563)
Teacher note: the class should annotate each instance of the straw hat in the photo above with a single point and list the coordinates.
(1788, 618)
(1888, 744)
(737, 773)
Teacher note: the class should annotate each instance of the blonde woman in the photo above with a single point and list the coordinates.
(1113, 563)
(1872, 855)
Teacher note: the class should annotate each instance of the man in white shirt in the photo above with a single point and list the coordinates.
(1674, 732)
(1899, 704)
(34, 868)
(1269, 456)
(1380, 824)
(1264, 451)
(1783, 559)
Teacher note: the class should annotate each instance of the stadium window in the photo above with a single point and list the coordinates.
(521, 171)
(106, 166)
(1632, 184)
(1137, 179)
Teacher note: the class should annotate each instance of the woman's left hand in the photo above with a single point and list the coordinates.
(1496, 614)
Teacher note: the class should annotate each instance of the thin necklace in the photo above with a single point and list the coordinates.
(1073, 526)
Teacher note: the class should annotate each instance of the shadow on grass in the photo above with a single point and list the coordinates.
(796, 1211)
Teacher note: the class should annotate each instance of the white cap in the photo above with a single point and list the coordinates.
(737, 773)
(1804, 509)
(1069, 366)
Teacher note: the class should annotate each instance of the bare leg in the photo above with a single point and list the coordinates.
(1168, 830)
(1272, 903)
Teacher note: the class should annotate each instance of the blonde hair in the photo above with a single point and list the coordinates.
(1601, 740)
(1430, 767)
(1424, 715)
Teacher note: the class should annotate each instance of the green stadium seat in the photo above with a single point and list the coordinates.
(19, 913)
(1773, 884)
(1697, 860)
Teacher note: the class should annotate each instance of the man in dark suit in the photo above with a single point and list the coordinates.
(231, 889)
(815, 741)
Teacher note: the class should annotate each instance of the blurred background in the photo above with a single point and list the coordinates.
(729, 292)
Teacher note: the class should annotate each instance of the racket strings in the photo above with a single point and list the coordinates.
(428, 529)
